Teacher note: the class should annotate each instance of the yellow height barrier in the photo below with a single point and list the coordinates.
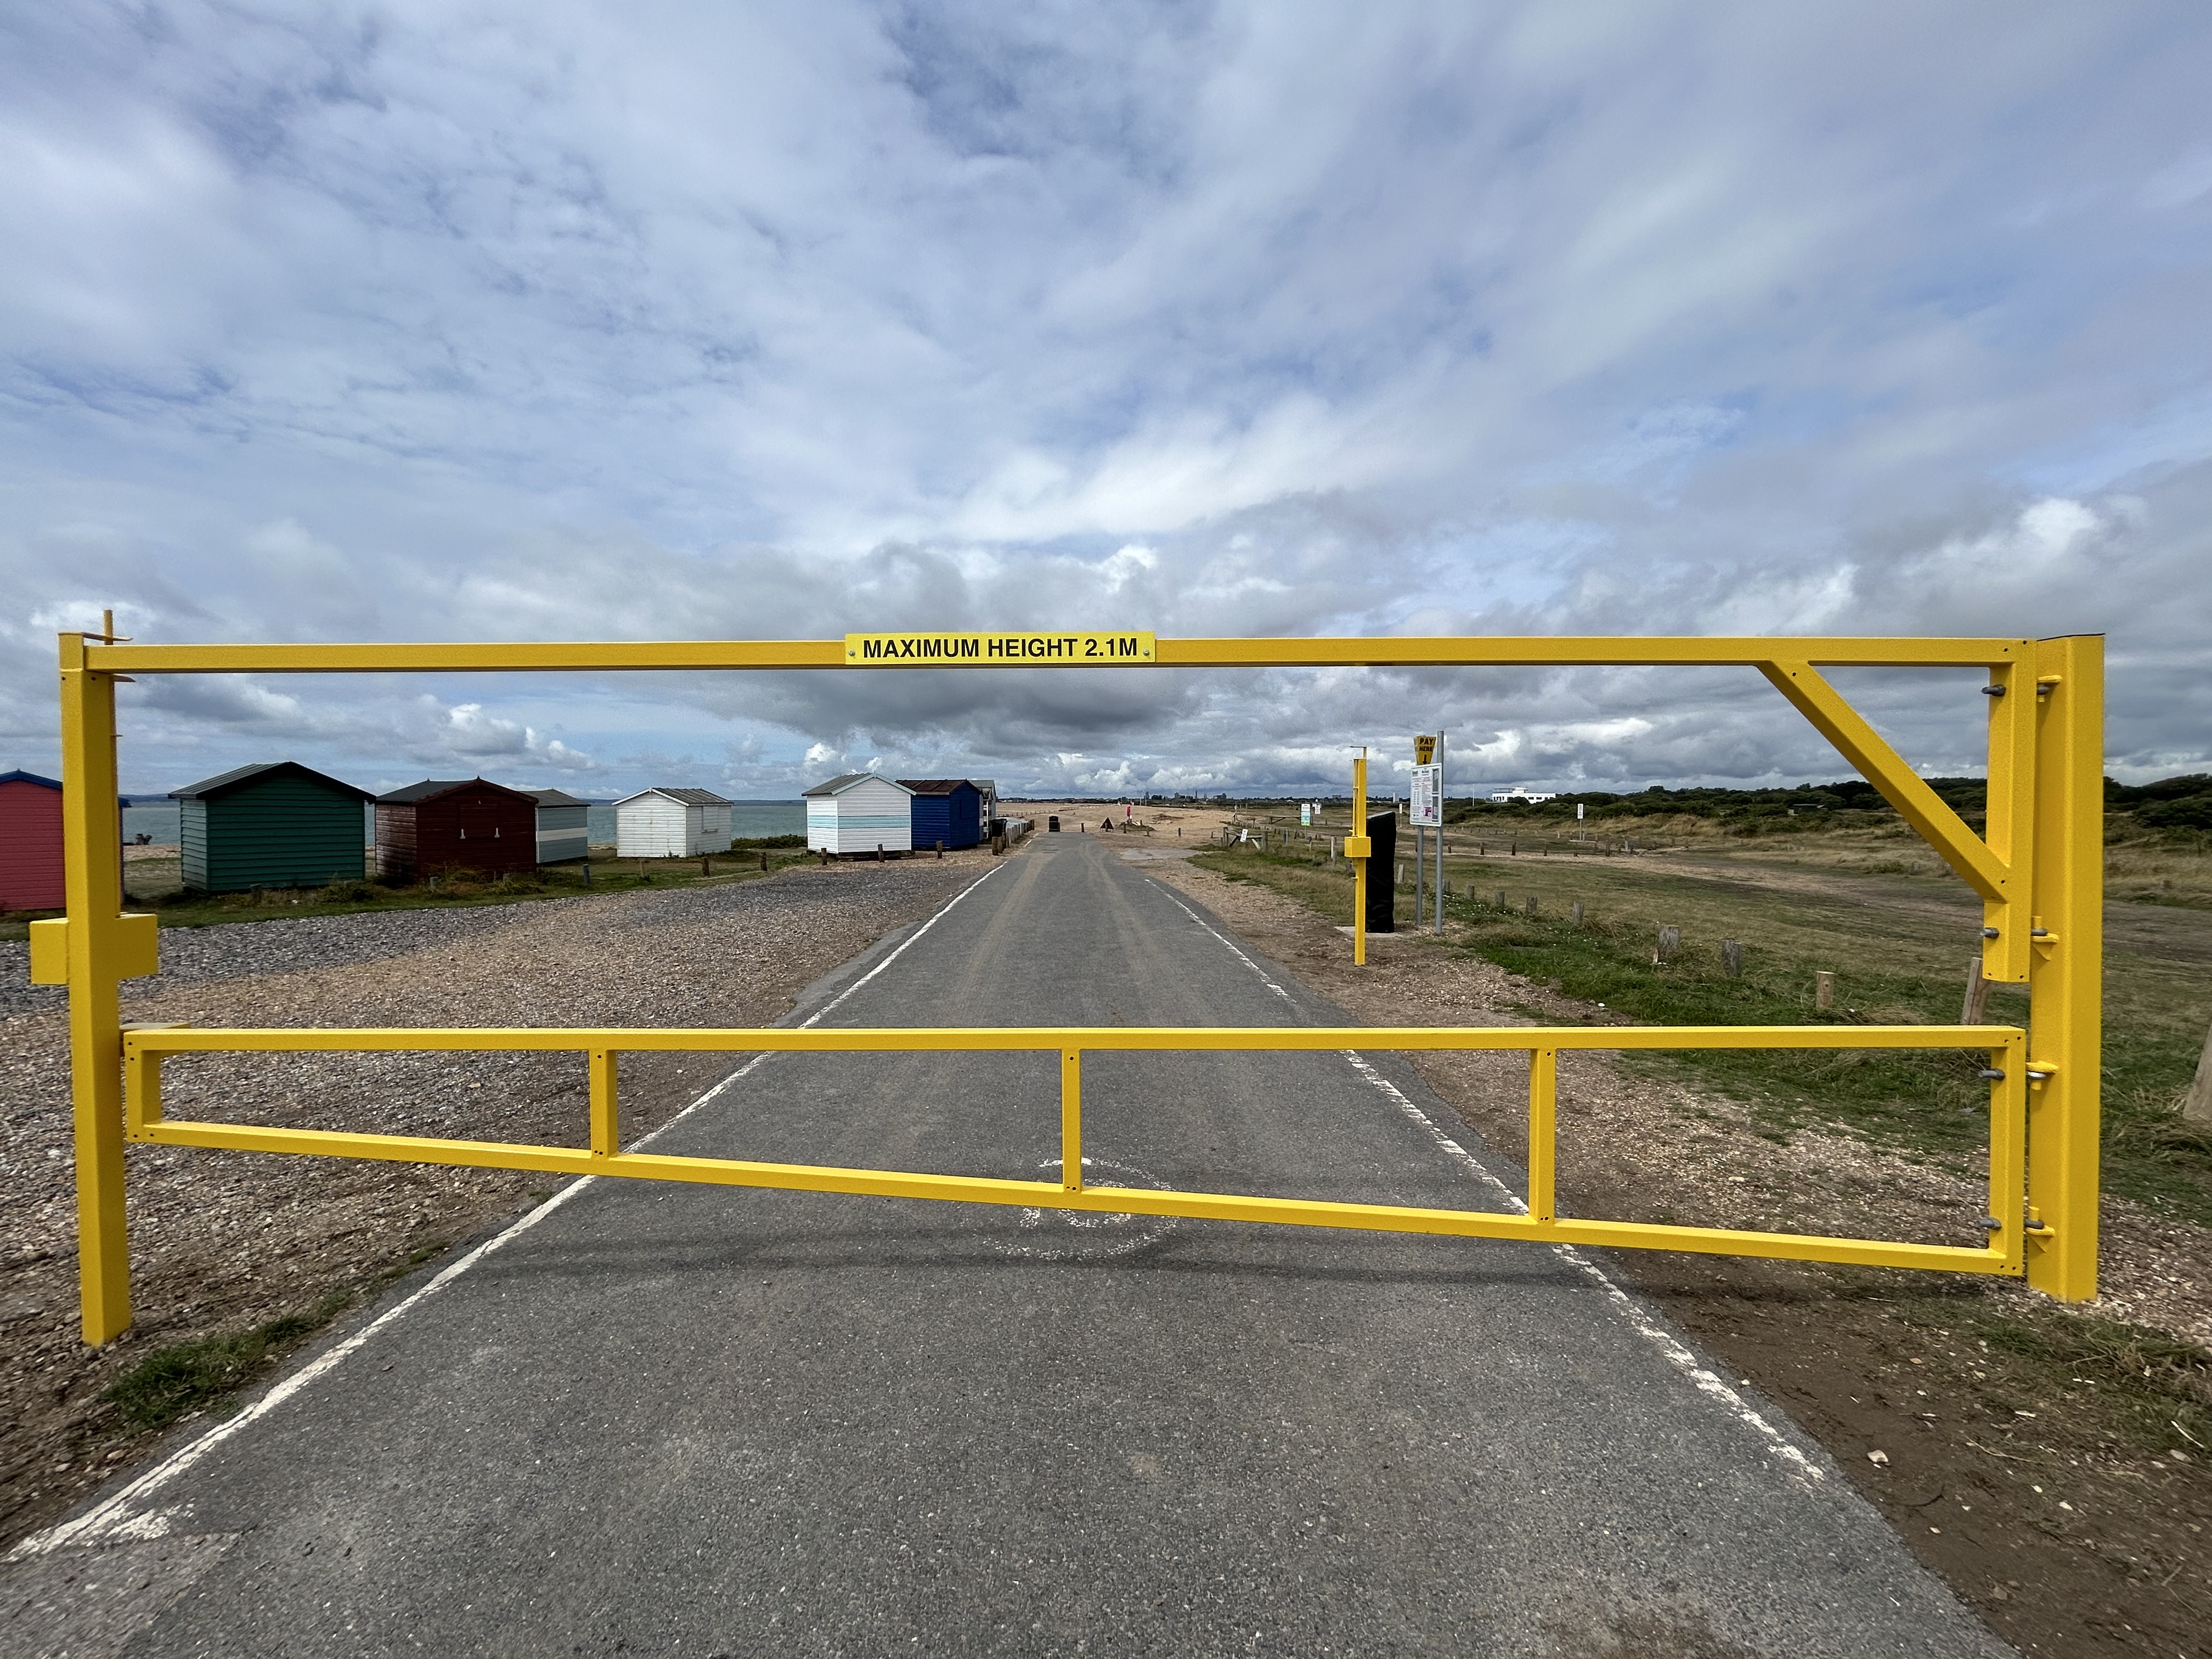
(2013, 1080)
(2036, 869)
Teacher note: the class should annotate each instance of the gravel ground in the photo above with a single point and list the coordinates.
(221, 1241)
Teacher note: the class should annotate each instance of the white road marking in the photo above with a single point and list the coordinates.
(1671, 1349)
(118, 1518)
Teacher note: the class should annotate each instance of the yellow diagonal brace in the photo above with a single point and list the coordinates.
(1884, 769)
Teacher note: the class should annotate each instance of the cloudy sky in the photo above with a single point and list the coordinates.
(456, 320)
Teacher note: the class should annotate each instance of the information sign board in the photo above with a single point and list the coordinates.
(1428, 804)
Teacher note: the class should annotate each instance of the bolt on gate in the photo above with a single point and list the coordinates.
(2038, 870)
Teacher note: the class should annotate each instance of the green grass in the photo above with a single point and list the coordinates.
(188, 1376)
(1897, 963)
(203, 1374)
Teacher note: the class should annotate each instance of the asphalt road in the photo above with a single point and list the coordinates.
(701, 1420)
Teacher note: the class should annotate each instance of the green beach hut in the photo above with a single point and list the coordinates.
(274, 825)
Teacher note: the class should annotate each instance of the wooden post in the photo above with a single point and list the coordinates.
(1670, 945)
(1824, 990)
(1977, 993)
(1578, 913)
(2197, 1104)
(1503, 902)
(1531, 906)
(1732, 957)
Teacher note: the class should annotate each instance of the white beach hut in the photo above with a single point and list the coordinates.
(858, 813)
(564, 826)
(670, 823)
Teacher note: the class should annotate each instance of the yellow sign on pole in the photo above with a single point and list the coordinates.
(1424, 751)
(998, 650)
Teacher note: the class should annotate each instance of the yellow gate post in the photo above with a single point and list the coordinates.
(2065, 975)
(92, 839)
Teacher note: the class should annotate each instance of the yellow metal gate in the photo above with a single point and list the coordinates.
(2038, 870)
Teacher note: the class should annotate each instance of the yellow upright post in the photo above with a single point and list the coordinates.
(1543, 1132)
(1358, 847)
(92, 839)
(606, 1113)
(1071, 1120)
(2065, 989)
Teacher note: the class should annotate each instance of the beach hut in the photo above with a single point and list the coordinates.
(948, 809)
(672, 823)
(564, 826)
(464, 823)
(858, 813)
(30, 843)
(276, 825)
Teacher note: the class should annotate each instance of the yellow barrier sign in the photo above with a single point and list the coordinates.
(998, 650)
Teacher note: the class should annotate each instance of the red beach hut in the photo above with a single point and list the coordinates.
(464, 824)
(30, 843)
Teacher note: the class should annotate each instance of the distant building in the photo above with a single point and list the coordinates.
(948, 809)
(31, 863)
(1517, 796)
(564, 826)
(280, 824)
(670, 823)
(464, 823)
(859, 812)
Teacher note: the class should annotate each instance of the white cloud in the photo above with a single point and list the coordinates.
(475, 321)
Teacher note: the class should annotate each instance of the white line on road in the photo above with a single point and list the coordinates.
(1671, 1348)
(118, 1518)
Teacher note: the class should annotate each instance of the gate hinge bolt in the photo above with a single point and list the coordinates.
(1988, 933)
(1991, 1225)
(1991, 1074)
(1993, 690)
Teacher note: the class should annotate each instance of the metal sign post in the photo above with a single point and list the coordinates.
(1426, 814)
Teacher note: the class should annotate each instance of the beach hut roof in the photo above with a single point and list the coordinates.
(688, 797)
(223, 782)
(28, 777)
(430, 788)
(555, 798)
(838, 786)
(934, 785)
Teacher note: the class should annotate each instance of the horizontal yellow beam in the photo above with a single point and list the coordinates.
(184, 1040)
(1629, 651)
(1052, 1195)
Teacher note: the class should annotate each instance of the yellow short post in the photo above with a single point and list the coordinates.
(1359, 846)
(2065, 990)
(1543, 1131)
(2008, 1149)
(1071, 1120)
(606, 1119)
(92, 839)
(142, 1092)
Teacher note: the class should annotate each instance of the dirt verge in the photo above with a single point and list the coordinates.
(2043, 1461)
